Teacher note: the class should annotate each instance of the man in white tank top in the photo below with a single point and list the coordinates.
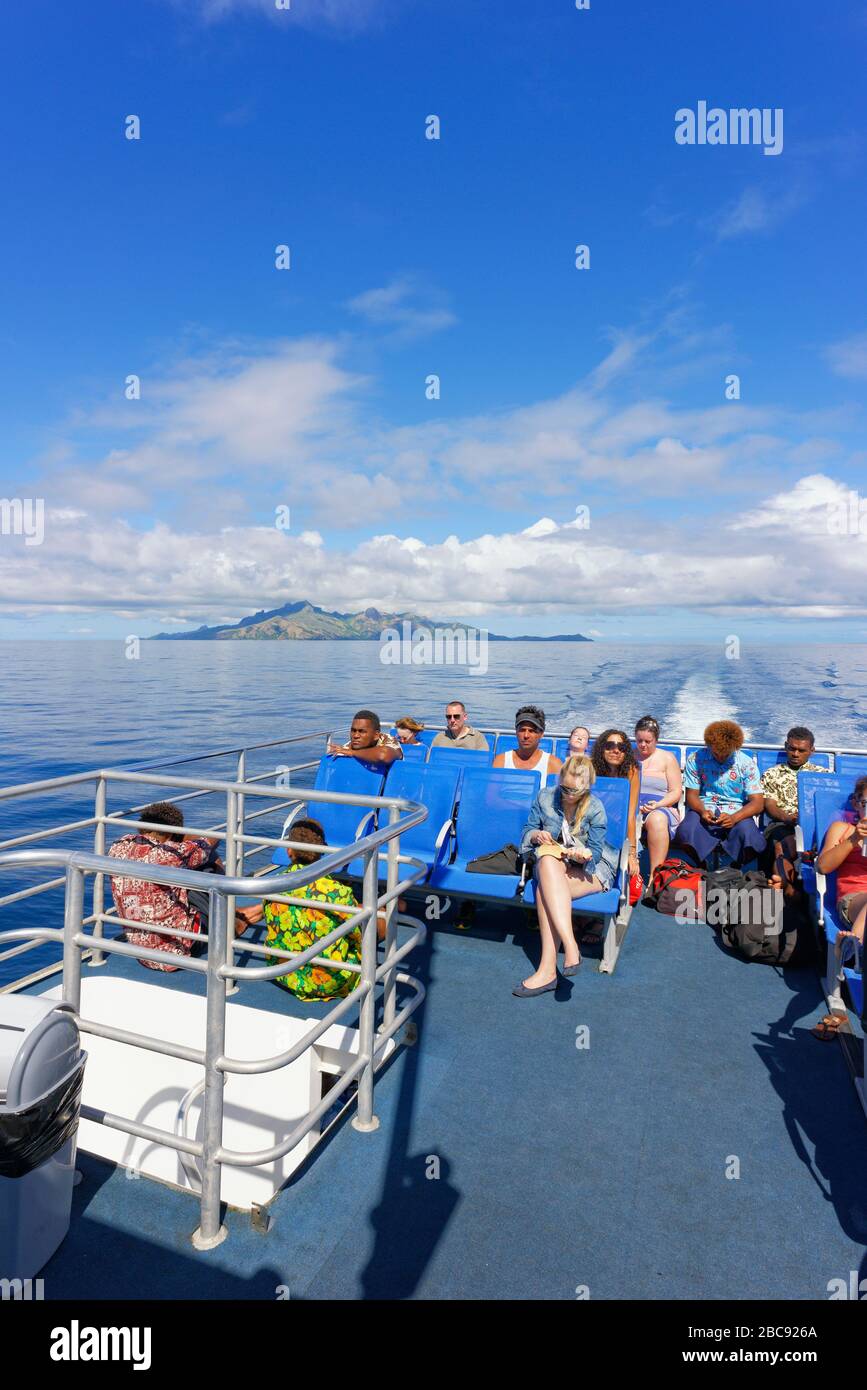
(528, 756)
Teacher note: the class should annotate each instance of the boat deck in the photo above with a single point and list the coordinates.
(559, 1166)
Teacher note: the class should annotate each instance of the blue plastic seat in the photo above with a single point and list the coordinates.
(437, 787)
(493, 809)
(341, 824)
(852, 765)
(414, 752)
(460, 757)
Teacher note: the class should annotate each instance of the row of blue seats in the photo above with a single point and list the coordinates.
(472, 811)
(847, 763)
(823, 799)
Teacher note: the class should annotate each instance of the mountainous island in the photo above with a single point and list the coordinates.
(304, 622)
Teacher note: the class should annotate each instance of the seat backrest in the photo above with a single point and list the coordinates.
(852, 765)
(771, 757)
(613, 792)
(436, 787)
(809, 786)
(414, 752)
(505, 742)
(493, 809)
(460, 757)
(830, 805)
(352, 777)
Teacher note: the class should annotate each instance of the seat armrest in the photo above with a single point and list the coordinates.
(360, 830)
(821, 884)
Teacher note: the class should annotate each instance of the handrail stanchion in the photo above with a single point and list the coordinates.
(364, 1119)
(241, 778)
(99, 957)
(389, 998)
(210, 1232)
(231, 872)
(73, 911)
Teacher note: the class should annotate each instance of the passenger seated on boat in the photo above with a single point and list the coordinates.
(842, 853)
(780, 789)
(458, 733)
(566, 829)
(292, 928)
(660, 791)
(723, 793)
(406, 730)
(528, 757)
(579, 738)
(155, 904)
(612, 756)
(367, 742)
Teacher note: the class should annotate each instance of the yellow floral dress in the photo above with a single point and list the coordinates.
(292, 928)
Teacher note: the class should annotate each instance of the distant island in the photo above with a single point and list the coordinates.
(304, 622)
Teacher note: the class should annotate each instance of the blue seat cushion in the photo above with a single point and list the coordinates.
(597, 904)
(453, 878)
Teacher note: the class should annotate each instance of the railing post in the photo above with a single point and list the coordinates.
(231, 986)
(365, 1120)
(241, 777)
(99, 957)
(210, 1232)
(389, 998)
(73, 912)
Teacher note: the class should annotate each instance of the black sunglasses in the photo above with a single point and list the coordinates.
(612, 747)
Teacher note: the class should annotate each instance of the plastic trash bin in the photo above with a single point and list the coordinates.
(41, 1073)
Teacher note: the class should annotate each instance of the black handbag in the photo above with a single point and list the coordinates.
(501, 861)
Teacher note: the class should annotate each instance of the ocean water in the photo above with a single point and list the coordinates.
(69, 706)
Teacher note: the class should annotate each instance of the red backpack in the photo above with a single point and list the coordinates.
(677, 889)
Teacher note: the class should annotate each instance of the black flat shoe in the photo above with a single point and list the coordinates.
(522, 992)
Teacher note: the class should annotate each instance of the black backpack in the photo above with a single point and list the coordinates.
(750, 916)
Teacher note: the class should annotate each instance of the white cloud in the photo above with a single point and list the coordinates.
(392, 307)
(746, 566)
(338, 15)
(849, 357)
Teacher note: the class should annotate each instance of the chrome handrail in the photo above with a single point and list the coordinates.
(219, 966)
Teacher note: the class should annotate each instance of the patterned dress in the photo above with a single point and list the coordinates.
(293, 928)
(155, 904)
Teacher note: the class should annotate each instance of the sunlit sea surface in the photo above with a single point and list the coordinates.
(73, 705)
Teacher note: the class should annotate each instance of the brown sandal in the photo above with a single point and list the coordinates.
(829, 1026)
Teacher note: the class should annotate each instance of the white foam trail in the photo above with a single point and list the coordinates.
(699, 701)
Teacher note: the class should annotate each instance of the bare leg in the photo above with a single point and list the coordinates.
(658, 838)
(554, 898)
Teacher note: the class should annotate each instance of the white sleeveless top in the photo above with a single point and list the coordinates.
(541, 766)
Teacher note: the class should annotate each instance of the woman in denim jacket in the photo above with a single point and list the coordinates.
(571, 818)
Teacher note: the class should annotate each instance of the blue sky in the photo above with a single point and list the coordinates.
(560, 388)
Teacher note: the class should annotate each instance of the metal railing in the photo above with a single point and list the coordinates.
(219, 967)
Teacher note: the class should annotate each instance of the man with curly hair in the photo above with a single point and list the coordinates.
(723, 793)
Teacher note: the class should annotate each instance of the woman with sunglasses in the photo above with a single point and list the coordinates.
(613, 757)
(660, 791)
(566, 828)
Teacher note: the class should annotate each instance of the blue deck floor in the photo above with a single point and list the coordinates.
(558, 1166)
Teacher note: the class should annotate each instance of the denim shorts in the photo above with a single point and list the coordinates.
(850, 905)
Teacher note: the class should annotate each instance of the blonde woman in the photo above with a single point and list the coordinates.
(566, 829)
